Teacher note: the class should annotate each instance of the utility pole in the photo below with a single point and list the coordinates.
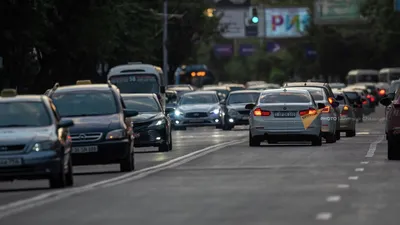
(165, 40)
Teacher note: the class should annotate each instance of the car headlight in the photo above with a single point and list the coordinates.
(157, 123)
(116, 134)
(215, 111)
(232, 112)
(43, 146)
(178, 113)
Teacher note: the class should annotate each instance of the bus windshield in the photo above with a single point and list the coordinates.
(136, 83)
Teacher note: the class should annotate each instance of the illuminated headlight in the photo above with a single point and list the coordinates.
(178, 113)
(42, 146)
(116, 134)
(215, 111)
(157, 123)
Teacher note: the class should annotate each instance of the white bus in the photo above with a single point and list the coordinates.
(387, 75)
(139, 78)
(362, 76)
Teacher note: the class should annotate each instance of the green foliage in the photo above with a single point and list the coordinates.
(71, 37)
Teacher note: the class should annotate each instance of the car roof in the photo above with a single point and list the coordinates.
(395, 81)
(311, 84)
(215, 88)
(139, 95)
(390, 70)
(24, 98)
(200, 92)
(292, 90)
(305, 88)
(94, 87)
(244, 91)
(144, 68)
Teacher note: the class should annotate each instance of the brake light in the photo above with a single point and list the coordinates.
(259, 112)
(345, 110)
(327, 109)
(369, 96)
(382, 92)
(330, 100)
(309, 111)
(365, 102)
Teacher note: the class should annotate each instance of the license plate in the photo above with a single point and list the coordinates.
(196, 121)
(245, 118)
(285, 114)
(85, 149)
(11, 162)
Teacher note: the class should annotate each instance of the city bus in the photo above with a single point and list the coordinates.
(362, 76)
(196, 75)
(139, 78)
(387, 75)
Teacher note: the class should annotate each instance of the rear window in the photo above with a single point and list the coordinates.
(352, 96)
(318, 94)
(284, 97)
(341, 102)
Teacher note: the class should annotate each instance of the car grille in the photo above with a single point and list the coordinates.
(141, 126)
(86, 137)
(247, 112)
(196, 115)
(8, 148)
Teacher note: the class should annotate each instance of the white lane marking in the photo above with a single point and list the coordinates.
(335, 198)
(324, 216)
(359, 169)
(364, 162)
(362, 133)
(372, 147)
(343, 186)
(22, 205)
(353, 178)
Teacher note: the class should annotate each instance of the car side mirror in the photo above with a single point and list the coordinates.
(65, 123)
(162, 89)
(339, 97)
(130, 113)
(250, 106)
(386, 101)
(321, 105)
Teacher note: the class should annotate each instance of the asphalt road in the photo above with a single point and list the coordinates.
(349, 182)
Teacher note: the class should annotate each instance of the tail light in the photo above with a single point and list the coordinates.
(309, 111)
(382, 92)
(345, 110)
(371, 97)
(330, 100)
(259, 112)
(327, 109)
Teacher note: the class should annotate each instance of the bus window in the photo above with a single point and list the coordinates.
(383, 77)
(351, 80)
(367, 78)
(136, 83)
(394, 76)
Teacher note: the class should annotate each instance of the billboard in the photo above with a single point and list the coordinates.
(232, 22)
(337, 11)
(286, 22)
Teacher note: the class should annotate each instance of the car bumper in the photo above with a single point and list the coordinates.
(287, 135)
(238, 120)
(328, 124)
(150, 137)
(108, 152)
(35, 165)
(347, 123)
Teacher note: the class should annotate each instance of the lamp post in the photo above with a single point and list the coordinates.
(165, 40)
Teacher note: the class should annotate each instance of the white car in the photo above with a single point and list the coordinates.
(277, 117)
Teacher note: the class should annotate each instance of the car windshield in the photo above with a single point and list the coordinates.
(139, 83)
(236, 88)
(85, 103)
(284, 97)
(171, 98)
(393, 87)
(141, 104)
(239, 98)
(317, 93)
(24, 114)
(193, 99)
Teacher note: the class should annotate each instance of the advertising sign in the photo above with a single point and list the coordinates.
(286, 22)
(337, 11)
(232, 22)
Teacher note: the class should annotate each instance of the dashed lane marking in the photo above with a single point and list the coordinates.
(359, 169)
(335, 198)
(353, 178)
(343, 186)
(324, 216)
(26, 204)
(372, 147)
(364, 162)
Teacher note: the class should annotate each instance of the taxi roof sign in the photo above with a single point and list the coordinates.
(8, 93)
(83, 82)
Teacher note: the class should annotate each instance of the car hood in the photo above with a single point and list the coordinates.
(24, 135)
(145, 117)
(101, 123)
(198, 108)
(237, 107)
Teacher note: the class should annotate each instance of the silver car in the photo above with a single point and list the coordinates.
(278, 117)
(235, 107)
(348, 118)
(199, 108)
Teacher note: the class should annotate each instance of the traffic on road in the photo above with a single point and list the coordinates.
(111, 154)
